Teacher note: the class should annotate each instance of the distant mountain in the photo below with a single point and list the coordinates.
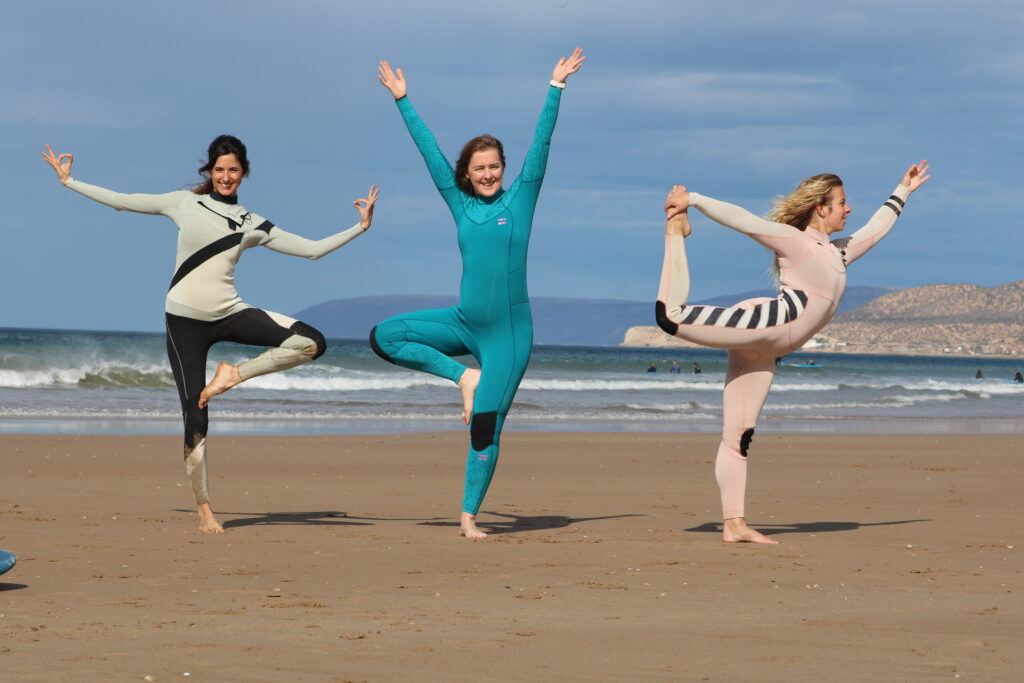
(935, 319)
(580, 322)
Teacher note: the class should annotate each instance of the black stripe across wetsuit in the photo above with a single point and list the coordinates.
(203, 306)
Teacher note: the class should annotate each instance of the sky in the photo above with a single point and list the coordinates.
(738, 100)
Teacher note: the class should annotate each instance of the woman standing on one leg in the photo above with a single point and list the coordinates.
(202, 305)
(812, 277)
(492, 320)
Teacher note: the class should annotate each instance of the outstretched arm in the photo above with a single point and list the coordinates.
(285, 242)
(141, 203)
(883, 220)
(537, 156)
(440, 170)
(729, 215)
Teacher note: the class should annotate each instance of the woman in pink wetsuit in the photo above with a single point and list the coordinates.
(812, 278)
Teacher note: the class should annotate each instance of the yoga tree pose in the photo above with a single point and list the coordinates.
(492, 321)
(202, 305)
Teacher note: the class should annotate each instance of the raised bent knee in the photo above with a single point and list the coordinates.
(664, 322)
(375, 345)
(317, 343)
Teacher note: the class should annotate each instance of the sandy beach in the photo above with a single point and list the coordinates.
(342, 561)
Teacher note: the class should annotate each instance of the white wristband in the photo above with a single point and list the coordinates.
(558, 84)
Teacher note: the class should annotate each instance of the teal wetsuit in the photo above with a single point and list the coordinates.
(492, 320)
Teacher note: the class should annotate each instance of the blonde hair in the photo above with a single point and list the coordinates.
(797, 207)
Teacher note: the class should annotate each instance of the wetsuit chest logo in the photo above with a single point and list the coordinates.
(831, 248)
(502, 221)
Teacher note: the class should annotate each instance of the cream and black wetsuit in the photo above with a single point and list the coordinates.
(492, 321)
(203, 307)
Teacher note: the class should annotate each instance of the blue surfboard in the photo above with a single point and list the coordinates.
(7, 560)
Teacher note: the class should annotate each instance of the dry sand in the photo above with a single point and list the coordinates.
(900, 560)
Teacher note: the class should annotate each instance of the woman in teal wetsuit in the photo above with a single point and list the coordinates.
(492, 321)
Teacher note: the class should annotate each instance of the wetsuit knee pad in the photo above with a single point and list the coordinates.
(197, 423)
(376, 347)
(311, 332)
(481, 431)
(663, 320)
(745, 440)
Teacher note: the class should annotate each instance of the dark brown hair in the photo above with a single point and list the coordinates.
(477, 144)
(221, 145)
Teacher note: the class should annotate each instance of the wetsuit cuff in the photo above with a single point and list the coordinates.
(558, 84)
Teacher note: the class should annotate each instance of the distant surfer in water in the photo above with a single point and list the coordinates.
(812, 275)
(1017, 377)
(202, 306)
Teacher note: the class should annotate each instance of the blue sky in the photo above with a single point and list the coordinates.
(738, 100)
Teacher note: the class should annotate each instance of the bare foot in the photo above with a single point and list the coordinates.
(208, 524)
(468, 383)
(226, 377)
(735, 530)
(468, 527)
(678, 225)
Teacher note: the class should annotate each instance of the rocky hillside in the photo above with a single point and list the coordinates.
(934, 319)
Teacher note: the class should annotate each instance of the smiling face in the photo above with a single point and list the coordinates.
(832, 216)
(227, 174)
(485, 172)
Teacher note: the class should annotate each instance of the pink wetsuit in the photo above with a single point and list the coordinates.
(812, 277)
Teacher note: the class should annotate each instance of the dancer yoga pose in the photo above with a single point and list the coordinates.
(202, 306)
(492, 321)
(812, 277)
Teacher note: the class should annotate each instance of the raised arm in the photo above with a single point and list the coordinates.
(729, 215)
(141, 203)
(883, 220)
(440, 170)
(285, 242)
(537, 156)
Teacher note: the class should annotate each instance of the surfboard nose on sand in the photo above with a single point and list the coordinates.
(7, 560)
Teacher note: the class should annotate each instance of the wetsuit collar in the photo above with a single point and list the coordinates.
(218, 197)
(490, 200)
(818, 235)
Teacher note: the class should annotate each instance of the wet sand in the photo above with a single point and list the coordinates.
(900, 559)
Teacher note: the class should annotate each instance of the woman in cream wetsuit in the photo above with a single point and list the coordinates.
(492, 321)
(812, 275)
(202, 306)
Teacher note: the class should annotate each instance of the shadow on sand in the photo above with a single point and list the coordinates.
(11, 586)
(519, 523)
(802, 527)
(315, 518)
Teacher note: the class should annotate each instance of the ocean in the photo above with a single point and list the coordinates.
(73, 381)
